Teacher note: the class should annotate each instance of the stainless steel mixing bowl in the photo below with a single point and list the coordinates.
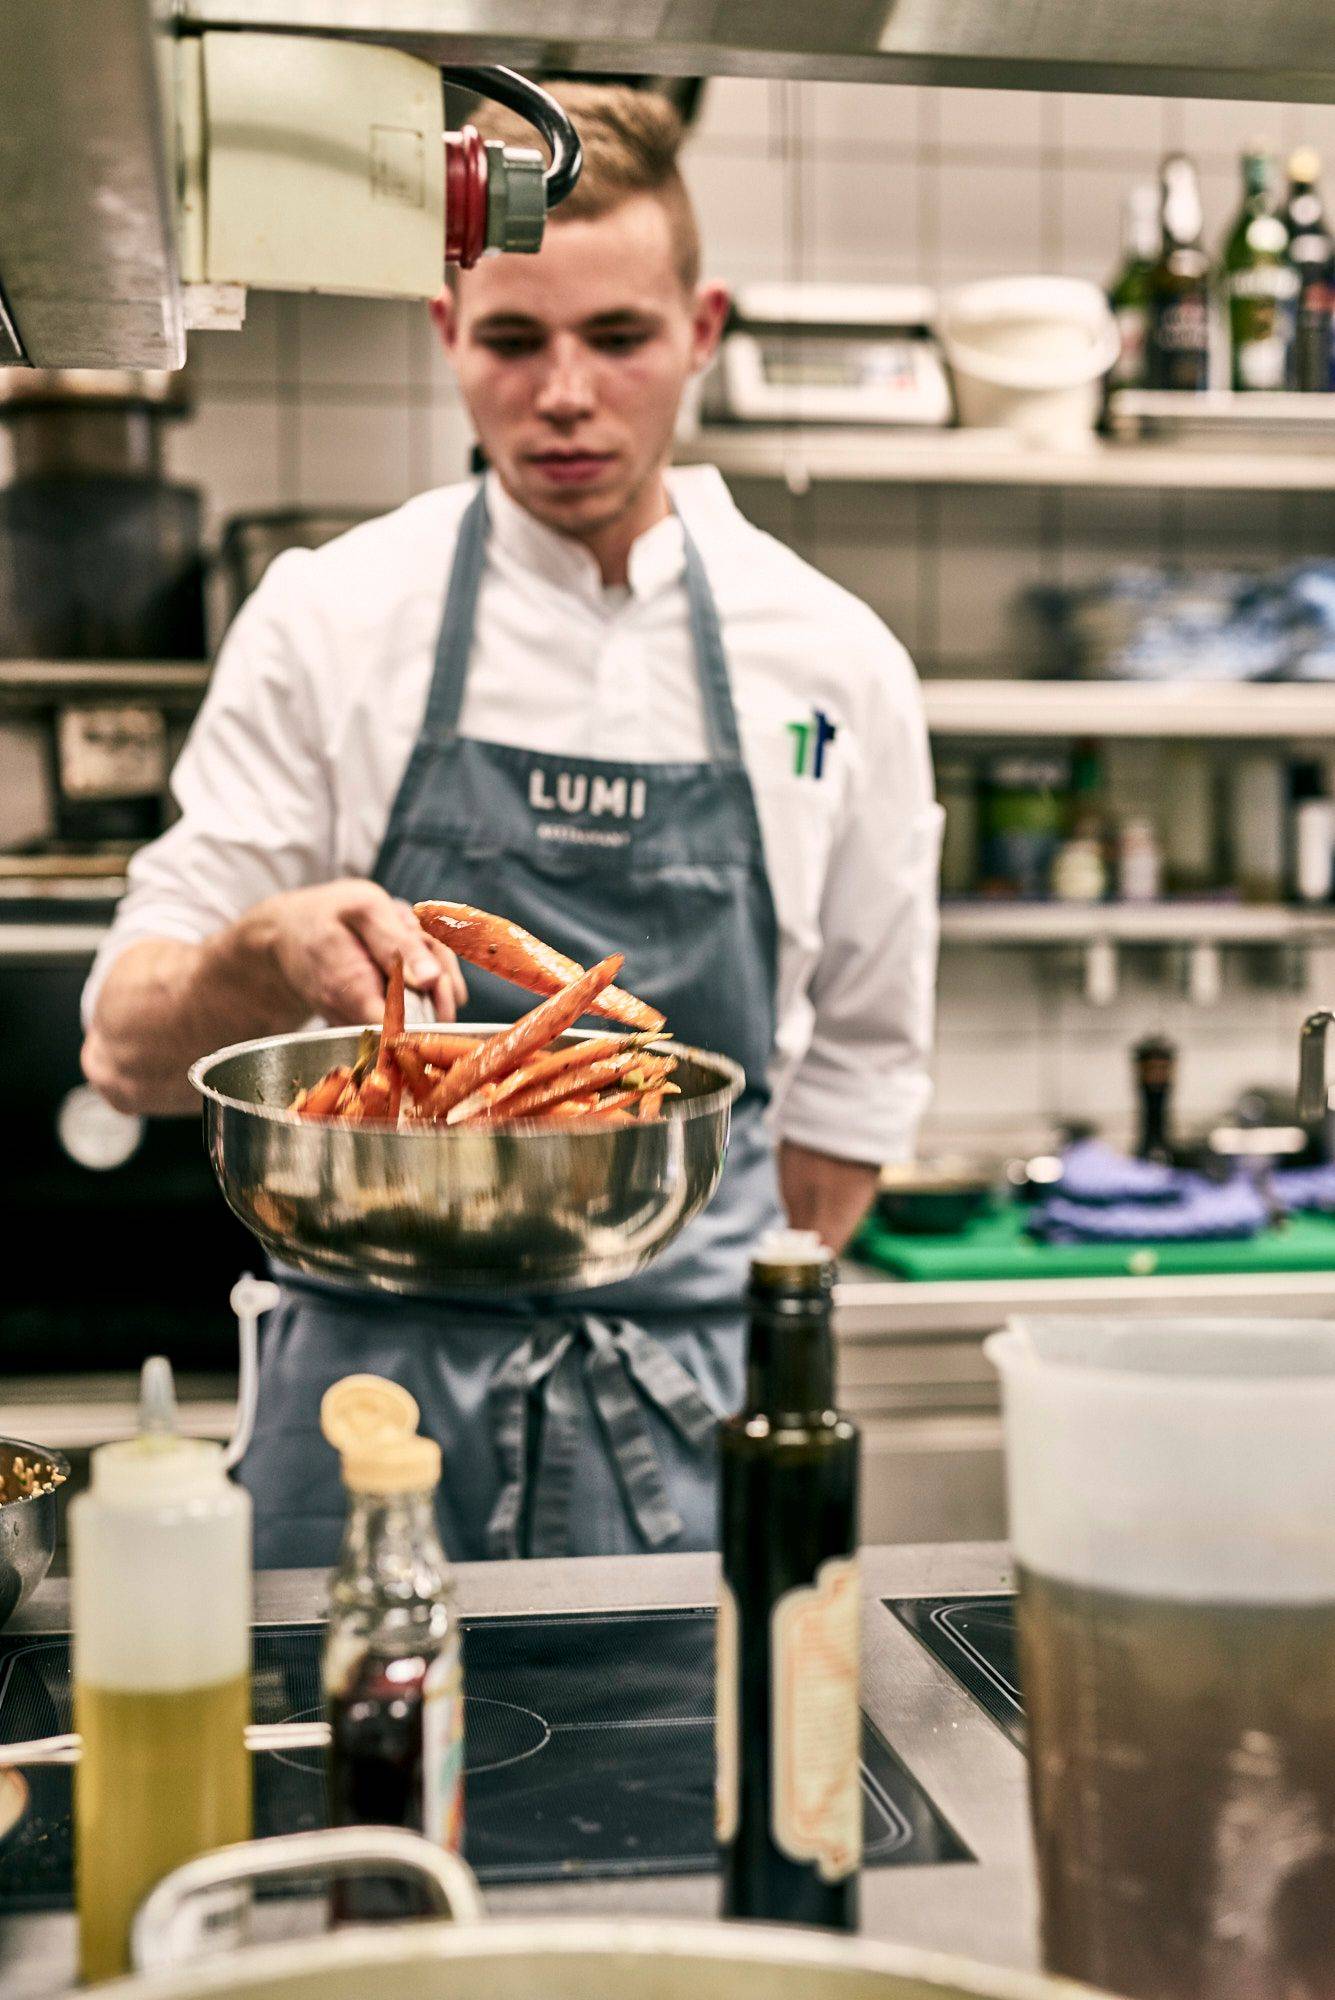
(27, 1527)
(521, 1208)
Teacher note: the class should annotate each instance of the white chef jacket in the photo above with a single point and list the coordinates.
(317, 698)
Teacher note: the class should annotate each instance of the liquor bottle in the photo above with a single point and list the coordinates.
(1131, 294)
(789, 1799)
(1259, 283)
(1155, 1062)
(392, 1676)
(1310, 254)
(160, 1554)
(1179, 351)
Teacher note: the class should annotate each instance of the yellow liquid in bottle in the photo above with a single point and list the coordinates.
(164, 1775)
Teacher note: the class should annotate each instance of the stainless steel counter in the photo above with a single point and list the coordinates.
(969, 1768)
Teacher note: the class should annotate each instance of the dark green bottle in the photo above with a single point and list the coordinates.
(1311, 256)
(1131, 294)
(789, 1721)
(1260, 284)
(1179, 352)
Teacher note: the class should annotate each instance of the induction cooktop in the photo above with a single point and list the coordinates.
(589, 1752)
(974, 1639)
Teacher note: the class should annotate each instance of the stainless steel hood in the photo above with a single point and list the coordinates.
(88, 269)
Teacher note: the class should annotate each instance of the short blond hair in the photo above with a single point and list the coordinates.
(631, 139)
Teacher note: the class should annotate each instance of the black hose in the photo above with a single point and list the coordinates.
(516, 93)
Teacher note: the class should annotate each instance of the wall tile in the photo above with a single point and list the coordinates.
(870, 118)
(1010, 120)
(1221, 128)
(866, 538)
(449, 437)
(354, 343)
(231, 450)
(1217, 530)
(987, 559)
(1089, 213)
(751, 215)
(735, 110)
(862, 222)
(1099, 530)
(990, 220)
(248, 358)
(354, 454)
(1115, 129)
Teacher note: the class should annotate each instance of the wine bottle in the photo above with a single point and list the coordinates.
(1179, 350)
(789, 1793)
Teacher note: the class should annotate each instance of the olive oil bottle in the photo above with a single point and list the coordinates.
(789, 1803)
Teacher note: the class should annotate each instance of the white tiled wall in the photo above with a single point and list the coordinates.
(349, 403)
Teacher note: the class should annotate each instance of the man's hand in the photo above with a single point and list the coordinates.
(332, 948)
(324, 951)
(825, 1194)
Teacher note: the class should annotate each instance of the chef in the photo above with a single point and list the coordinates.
(586, 693)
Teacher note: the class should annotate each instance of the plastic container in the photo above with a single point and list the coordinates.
(1172, 1511)
(1029, 355)
(160, 1555)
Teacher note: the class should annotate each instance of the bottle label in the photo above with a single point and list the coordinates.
(1184, 326)
(727, 1727)
(443, 1748)
(816, 1802)
(1128, 371)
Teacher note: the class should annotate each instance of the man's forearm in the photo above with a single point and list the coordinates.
(822, 1193)
(165, 1003)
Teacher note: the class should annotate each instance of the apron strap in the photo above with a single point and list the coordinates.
(454, 641)
(538, 1387)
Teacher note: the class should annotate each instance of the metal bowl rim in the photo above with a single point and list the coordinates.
(713, 1102)
(56, 1458)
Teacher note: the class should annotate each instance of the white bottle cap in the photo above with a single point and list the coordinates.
(159, 1465)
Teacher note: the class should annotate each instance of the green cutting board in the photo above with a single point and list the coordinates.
(995, 1246)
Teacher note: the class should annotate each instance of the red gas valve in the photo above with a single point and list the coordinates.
(497, 197)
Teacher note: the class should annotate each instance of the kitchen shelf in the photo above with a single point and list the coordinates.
(39, 681)
(1196, 710)
(803, 456)
(983, 922)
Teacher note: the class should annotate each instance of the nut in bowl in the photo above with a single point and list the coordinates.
(29, 1479)
(526, 1156)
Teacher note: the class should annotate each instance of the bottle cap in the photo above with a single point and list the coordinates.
(159, 1465)
(392, 1463)
(792, 1256)
(1305, 164)
(360, 1409)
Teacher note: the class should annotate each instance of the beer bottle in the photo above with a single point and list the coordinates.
(1259, 283)
(1179, 355)
(1310, 254)
(789, 1794)
(1132, 291)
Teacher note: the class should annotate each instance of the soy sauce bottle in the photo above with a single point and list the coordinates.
(392, 1674)
(789, 1805)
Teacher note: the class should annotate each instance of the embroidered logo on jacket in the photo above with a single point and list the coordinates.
(810, 742)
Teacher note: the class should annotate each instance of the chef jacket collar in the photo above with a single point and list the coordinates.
(657, 557)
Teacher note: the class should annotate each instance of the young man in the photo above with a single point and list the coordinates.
(462, 700)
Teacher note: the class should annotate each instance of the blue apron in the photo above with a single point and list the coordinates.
(582, 1423)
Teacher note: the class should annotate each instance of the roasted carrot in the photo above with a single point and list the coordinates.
(650, 1106)
(391, 1028)
(377, 1101)
(412, 1066)
(442, 1050)
(320, 1099)
(531, 1032)
(512, 953)
(543, 1069)
(541, 1096)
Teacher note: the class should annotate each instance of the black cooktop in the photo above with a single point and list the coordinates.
(974, 1639)
(589, 1751)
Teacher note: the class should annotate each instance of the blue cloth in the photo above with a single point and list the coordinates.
(1202, 1211)
(1300, 1188)
(1093, 1173)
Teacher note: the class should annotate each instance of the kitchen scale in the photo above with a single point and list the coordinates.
(589, 1753)
(829, 354)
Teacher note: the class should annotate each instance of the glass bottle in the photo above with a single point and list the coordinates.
(1131, 294)
(1310, 254)
(392, 1671)
(1259, 283)
(789, 1800)
(160, 1555)
(1155, 1061)
(1179, 351)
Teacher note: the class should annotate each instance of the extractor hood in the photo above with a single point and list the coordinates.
(89, 230)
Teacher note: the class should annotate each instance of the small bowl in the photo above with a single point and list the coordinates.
(933, 1197)
(27, 1525)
